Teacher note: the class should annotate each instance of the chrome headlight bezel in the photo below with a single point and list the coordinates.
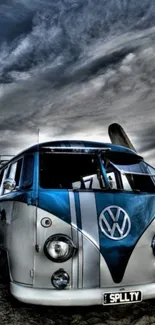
(60, 238)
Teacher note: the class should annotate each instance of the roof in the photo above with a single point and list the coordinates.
(76, 144)
(79, 144)
(4, 159)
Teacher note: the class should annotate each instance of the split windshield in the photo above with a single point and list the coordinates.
(70, 171)
(93, 171)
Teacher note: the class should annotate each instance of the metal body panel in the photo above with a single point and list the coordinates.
(17, 238)
(105, 276)
(21, 242)
(89, 268)
(91, 254)
(5, 221)
(91, 265)
(43, 267)
(88, 259)
(89, 216)
(141, 210)
(141, 265)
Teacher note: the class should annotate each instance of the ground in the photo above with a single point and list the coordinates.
(15, 313)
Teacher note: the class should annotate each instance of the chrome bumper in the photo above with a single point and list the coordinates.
(76, 297)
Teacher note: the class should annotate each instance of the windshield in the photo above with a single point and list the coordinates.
(70, 171)
(92, 171)
(137, 176)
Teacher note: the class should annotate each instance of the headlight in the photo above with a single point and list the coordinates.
(59, 248)
(60, 279)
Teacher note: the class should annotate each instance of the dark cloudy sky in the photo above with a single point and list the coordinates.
(72, 67)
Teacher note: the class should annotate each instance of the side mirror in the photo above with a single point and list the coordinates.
(9, 184)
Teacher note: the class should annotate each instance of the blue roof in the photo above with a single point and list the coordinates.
(79, 144)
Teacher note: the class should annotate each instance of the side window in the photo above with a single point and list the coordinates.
(27, 173)
(14, 172)
(151, 170)
(2, 175)
(18, 171)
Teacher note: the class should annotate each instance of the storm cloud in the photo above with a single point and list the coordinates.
(70, 68)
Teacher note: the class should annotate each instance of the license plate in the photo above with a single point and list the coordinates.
(123, 297)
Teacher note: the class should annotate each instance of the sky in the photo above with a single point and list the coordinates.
(72, 67)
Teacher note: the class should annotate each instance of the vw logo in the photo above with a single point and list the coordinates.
(114, 222)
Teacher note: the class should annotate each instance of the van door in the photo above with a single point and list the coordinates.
(6, 208)
(16, 225)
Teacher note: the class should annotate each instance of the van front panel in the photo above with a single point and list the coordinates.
(100, 261)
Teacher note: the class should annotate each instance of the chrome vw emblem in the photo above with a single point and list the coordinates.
(114, 222)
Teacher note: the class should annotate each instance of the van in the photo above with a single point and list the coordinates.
(77, 224)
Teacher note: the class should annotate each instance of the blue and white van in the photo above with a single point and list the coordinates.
(77, 224)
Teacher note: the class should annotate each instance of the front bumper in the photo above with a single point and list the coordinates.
(76, 297)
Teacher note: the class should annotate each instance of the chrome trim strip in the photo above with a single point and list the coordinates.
(74, 276)
(62, 146)
(86, 235)
(80, 266)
